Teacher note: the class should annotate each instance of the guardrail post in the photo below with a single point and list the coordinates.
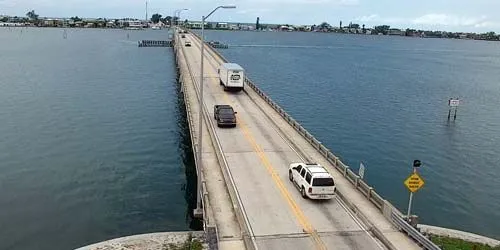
(345, 170)
(370, 189)
(356, 182)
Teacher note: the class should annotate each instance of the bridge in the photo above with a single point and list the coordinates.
(244, 194)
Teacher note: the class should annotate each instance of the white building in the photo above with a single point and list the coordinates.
(222, 25)
(195, 25)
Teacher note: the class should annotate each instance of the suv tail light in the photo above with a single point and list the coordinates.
(310, 190)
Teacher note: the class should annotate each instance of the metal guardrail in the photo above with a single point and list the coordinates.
(246, 232)
(361, 185)
(413, 232)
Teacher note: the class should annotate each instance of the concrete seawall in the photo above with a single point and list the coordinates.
(152, 241)
(452, 233)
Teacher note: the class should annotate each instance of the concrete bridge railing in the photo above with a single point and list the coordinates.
(209, 225)
(391, 213)
(238, 208)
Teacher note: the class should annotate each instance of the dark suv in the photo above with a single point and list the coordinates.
(225, 115)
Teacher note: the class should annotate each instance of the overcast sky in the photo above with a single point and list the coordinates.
(452, 15)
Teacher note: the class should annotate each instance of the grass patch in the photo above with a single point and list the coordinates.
(447, 243)
(189, 244)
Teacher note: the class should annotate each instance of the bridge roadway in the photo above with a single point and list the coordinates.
(258, 155)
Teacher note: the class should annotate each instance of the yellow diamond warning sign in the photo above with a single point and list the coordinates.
(414, 182)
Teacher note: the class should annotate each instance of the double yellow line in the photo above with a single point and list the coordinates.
(299, 214)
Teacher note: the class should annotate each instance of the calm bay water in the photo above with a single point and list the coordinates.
(93, 144)
(383, 101)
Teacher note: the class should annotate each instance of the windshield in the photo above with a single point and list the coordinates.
(226, 112)
(323, 182)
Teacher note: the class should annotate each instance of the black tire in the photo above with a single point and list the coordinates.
(290, 176)
(303, 192)
(220, 82)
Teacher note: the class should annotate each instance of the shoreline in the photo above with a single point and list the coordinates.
(296, 31)
(457, 234)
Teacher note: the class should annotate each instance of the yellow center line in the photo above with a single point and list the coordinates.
(299, 214)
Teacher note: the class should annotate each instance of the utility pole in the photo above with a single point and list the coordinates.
(146, 11)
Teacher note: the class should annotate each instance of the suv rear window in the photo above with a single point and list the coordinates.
(323, 182)
(226, 111)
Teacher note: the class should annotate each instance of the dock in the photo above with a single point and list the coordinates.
(218, 45)
(155, 43)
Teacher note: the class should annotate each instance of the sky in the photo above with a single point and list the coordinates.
(449, 15)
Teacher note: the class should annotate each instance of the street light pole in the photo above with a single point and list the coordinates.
(176, 13)
(198, 210)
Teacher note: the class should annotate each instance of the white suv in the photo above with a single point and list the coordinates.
(312, 179)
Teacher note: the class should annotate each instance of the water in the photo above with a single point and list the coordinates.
(383, 101)
(93, 142)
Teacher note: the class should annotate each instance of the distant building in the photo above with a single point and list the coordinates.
(286, 28)
(222, 26)
(134, 24)
(247, 27)
(395, 32)
(195, 25)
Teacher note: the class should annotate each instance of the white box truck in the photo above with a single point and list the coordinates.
(232, 76)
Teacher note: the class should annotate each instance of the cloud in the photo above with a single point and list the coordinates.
(253, 11)
(432, 20)
(452, 20)
(368, 19)
(300, 2)
(374, 18)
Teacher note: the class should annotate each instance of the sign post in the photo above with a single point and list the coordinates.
(414, 182)
(453, 103)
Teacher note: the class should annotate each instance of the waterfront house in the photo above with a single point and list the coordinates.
(195, 25)
(395, 32)
(223, 26)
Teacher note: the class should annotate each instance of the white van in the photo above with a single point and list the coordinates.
(231, 76)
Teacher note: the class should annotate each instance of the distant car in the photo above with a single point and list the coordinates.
(187, 44)
(313, 181)
(183, 36)
(225, 115)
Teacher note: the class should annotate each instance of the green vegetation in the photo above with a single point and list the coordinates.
(189, 244)
(32, 15)
(447, 243)
(156, 18)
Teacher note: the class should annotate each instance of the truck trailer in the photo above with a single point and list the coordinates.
(231, 76)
